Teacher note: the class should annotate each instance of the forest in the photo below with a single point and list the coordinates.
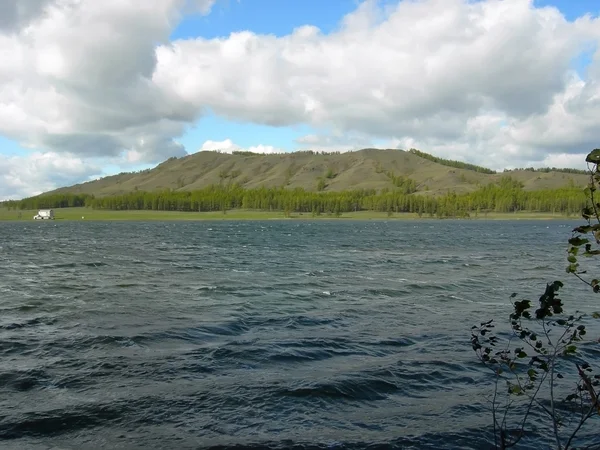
(506, 196)
(550, 169)
(451, 163)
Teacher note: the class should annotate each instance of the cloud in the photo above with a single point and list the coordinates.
(342, 142)
(266, 149)
(40, 172)
(18, 13)
(481, 77)
(76, 76)
(565, 160)
(489, 81)
(227, 146)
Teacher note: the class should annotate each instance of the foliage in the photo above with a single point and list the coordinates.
(579, 245)
(451, 163)
(246, 153)
(404, 184)
(507, 196)
(49, 201)
(316, 152)
(545, 354)
(549, 169)
(544, 364)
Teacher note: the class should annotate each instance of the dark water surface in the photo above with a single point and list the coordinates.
(327, 334)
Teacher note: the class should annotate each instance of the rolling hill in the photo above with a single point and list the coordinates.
(334, 172)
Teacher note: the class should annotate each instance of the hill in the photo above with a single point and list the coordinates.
(412, 171)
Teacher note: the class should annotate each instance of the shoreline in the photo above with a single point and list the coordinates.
(83, 214)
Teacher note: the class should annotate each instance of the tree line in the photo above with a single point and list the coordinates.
(551, 169)
(48, 201)
(451, 163)
(506, 196)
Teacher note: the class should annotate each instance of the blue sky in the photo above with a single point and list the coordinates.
(572, 9)
(265, 17)
(242, 127)
(10, 147)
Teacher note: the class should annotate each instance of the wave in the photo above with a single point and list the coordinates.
(28, 322)
(227, 340)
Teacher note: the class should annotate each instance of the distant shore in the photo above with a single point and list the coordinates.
(79, 214)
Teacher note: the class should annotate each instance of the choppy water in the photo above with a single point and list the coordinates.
(327, 334)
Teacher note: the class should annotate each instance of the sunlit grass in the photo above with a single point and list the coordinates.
(241, 214)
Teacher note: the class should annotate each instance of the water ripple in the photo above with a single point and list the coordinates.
(248, 335)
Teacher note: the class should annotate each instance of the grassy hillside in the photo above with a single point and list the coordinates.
(364, 169)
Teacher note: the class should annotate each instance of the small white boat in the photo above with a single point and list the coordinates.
(44, 214)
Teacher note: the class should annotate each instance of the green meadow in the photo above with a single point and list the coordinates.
(81, 213)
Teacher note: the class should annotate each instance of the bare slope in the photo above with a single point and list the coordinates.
(364, 169)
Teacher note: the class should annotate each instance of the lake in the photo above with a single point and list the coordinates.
(277, 334)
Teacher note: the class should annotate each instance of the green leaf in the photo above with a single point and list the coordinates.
(570, 349)
(594, 156)
(522, 354)
(577, 241)
(572, 268)
(596, 315)
(515, 389)
(572, 259)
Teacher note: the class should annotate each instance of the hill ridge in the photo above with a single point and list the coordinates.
(413, 171)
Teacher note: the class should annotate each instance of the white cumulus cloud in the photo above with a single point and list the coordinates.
(490, 82)
(76, 76)
(337, 141)
(228, 146)
(475, 78)
(40, 172)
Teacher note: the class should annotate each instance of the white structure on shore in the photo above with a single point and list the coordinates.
(44, 214)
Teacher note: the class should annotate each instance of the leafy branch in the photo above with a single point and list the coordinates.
(541, 358)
